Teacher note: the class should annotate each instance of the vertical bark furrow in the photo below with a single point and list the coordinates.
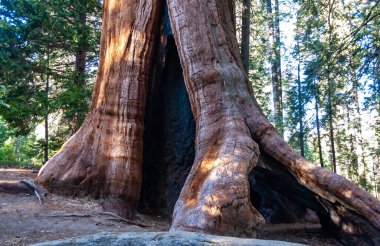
(245, 30)
(104, 157)
(215, 197)
(213, 77)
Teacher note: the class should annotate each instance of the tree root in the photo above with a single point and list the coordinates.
(37, 190)
(23, 187)
(115, 217)
(125, 220)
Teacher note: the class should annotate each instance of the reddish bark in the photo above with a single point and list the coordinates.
(215, 197)
(104, 159)
(221, 100)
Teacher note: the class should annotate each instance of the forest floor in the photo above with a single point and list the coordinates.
(23, 220)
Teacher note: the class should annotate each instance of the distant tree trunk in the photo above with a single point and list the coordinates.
(352, 162)
(330, 106)
(330, 112)
(46, 143)
(318, 124)
(359, 135)
(46, 117)
(104, 158)
(245, 30)
(376, 166)
(80, 64)
(275, 57)
(277, 47)
(300, 104)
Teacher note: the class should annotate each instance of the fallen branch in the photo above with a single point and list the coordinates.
(115, 217)
(69, 215)
(18, 188)
(37, 191)
(124, 220)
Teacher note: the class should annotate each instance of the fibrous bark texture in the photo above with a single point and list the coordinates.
(169, 134)
(104, 157)
(215, 197)
(228, 118)
(232, 136)
(245, 30)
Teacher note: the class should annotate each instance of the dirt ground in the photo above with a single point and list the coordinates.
(23, 220)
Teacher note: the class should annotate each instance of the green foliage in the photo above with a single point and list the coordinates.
(41, 44)
(40, 40)
(336, 49)
(20, 151)
(19, 164)
(336, 95)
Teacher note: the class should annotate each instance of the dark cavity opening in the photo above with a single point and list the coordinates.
(169, 139)
(169, 130)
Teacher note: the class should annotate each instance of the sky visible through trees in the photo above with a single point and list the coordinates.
(328, 77)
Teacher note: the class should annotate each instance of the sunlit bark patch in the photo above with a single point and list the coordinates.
(104, 158)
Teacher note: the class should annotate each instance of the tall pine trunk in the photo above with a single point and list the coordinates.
(359, 136)
(330, 112)
(317, 122)
(80, 64)
(330, 91)
(275, 59)
(46, 116)
(300, 104)
(104, 158)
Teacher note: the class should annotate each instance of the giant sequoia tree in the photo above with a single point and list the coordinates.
(104, 158)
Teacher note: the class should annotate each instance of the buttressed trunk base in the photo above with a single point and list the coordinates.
(104, 158)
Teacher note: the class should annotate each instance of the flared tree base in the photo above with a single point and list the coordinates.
(104, 159)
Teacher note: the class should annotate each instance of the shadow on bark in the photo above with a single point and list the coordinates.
(169, 154)
(214, 153)
(169, 134)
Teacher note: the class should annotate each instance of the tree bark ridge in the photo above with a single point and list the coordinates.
(214, 78)
(104, 157)
(215, 197)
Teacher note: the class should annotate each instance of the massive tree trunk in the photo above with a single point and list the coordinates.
(104, 157)
(232, 136)
(215, 197)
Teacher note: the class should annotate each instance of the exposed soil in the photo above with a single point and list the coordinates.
(24, 220)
